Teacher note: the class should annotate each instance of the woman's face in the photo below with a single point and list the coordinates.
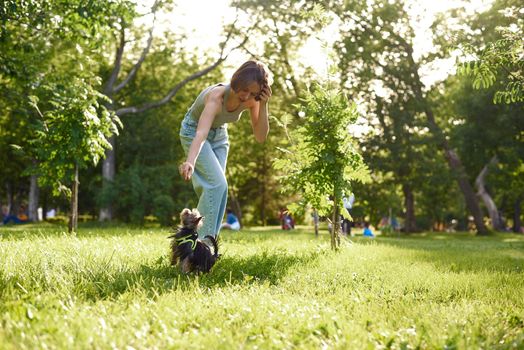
(248, 92)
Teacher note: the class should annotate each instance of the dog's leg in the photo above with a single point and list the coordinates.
(185, 265)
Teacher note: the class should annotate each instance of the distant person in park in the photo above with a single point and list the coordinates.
(289, 223)
(205, 140)
(51, 213)
(232, 222)
(286, 220)
(348, 204)
(16, 219)
(367, 230)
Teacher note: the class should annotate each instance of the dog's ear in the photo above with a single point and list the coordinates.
(184, 213)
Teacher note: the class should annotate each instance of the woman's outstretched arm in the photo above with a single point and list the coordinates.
(213, 104)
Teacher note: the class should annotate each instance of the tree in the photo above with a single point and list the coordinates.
(46, 46)
(322, 161)
(481, 132)
(376, 46)
(72, 135)
(395, 143)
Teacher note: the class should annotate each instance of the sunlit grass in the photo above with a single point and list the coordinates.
(113, 287)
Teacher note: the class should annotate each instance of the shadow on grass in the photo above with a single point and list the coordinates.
(464, 252)
(252, 237)
(109, 229)
(89, 229)
(158, 277)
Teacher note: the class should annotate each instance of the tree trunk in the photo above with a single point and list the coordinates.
(335, 238)
(493, 212)
(332, 233)
(9, 192)
(467, 190)
(337, 226)
(516, 215)
(459, 173)
(263, 191)
(409, 204)
(236, 205)
(34, 193)
(45, 207)
(451, 156)
(73, 216)
(108, 176)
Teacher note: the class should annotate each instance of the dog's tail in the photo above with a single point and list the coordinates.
(214, 244)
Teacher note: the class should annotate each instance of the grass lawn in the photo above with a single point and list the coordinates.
(113, 288)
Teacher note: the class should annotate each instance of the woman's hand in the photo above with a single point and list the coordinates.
(265, 94)
(186, 170)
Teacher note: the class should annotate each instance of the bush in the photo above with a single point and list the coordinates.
(163, 208)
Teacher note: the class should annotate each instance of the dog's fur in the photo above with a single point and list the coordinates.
(193, 253)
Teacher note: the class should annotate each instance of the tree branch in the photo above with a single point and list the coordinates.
(171, 93)
(174, 90)
(481, 178)
(137, 65)
(255, 56)
(108, 89)
(285, 59)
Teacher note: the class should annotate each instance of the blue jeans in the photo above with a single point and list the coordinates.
(209, 180)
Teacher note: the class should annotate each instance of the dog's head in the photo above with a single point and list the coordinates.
(191, 219)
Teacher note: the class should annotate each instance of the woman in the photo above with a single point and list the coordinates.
(205, 140)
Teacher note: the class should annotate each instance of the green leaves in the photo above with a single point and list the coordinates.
(48, 65)
(322, 159)
(75, 129)
(502, 58)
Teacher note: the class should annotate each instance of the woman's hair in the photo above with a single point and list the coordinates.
(251, 71)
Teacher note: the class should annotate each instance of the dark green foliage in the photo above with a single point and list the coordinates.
(480, 130)
(163, 209)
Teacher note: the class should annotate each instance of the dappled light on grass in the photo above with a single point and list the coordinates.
(270, 289)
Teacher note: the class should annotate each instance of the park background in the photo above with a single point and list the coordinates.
(430, 138)
(420, 104)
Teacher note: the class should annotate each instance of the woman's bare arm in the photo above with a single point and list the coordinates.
(259, 116)
(213, 104)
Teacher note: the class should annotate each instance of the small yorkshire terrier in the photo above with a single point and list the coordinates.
(193, 253)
